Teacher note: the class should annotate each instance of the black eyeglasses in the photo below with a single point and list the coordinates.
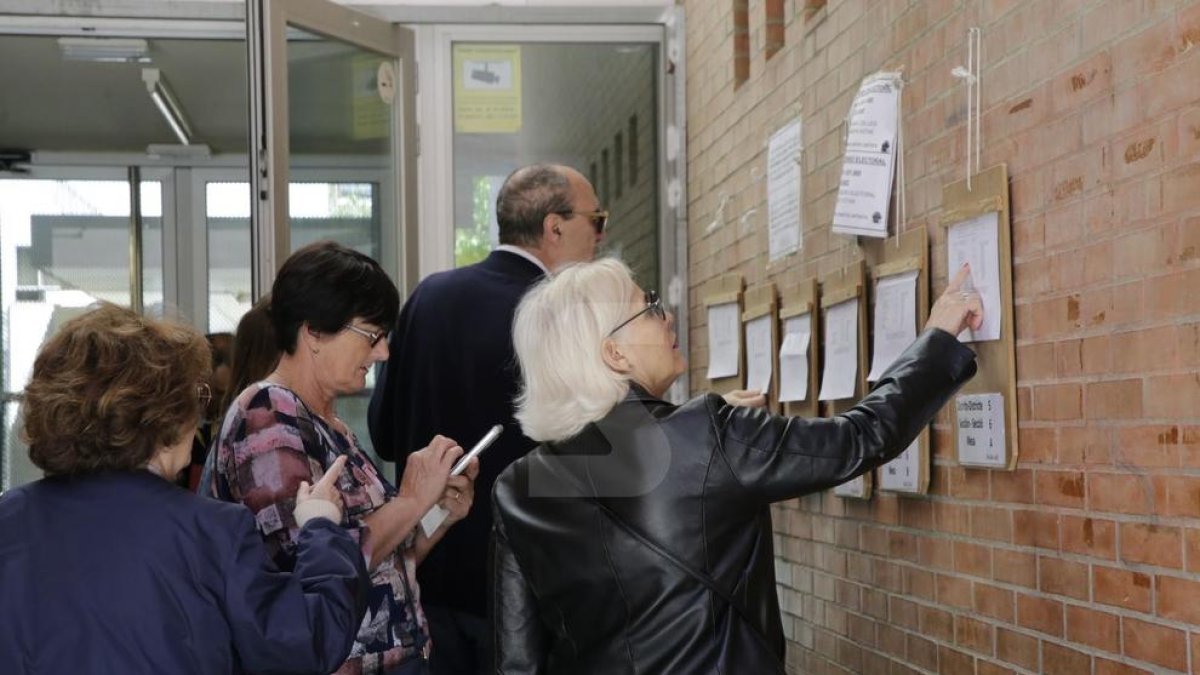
(373, 338)
(653, 306)
(599, 219)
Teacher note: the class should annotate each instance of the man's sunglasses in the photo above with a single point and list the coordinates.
(599, 218)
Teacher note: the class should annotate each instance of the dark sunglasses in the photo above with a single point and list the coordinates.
(373, 338)
(653, 306)
(599, 219)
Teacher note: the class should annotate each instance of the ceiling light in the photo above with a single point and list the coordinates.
(105, 50)
(167, 104)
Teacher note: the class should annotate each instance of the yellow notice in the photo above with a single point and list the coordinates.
(371, 112)
(487, 89)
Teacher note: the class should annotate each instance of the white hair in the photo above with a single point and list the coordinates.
(558, 331)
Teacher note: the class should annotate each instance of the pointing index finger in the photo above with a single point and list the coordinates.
(331, 473)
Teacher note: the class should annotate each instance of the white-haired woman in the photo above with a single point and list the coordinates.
(637, 537)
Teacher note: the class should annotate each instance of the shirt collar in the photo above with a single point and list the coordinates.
(517, 250)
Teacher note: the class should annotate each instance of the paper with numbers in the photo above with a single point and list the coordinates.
(895, 320)
(977, 241)
(723, 344)
(903, 474)
(855, 487)
(784, 199)
(793, 358)
(759, 356)
(868, 165)
(980, 425)
(841, 351)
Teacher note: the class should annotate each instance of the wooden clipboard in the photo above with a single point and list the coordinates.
(761, 302)
(723, 290)
(798, 300)
(849, 283)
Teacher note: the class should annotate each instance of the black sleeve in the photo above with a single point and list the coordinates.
(784, 457)
(518, 637)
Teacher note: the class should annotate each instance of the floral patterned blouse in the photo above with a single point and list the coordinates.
(270, 442)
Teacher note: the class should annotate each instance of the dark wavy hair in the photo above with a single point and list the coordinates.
(110, 388)
(528, 195)
(325, 285)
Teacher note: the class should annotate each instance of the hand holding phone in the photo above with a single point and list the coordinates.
(434, 518)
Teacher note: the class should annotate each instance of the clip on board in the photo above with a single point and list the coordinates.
(761, 337)
(898, 259)
(978, 231)
(800, 355)
(723, 302)
(845, 358)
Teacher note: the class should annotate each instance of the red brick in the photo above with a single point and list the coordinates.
(1063, 577)
(974, 634)
(1015, 567)
(1038, 445)
(1062, 660)
(1177, 495)
(1040, 614)
(951, 518)
(1120, 493)
(1106, 667)
(953, 662)
(920, 584)
(972, 559)
(1154, 643)
(1121, 399)
(937, 554)
(936, 623)
(1159, 545)
(1152, 446)
(1013, 486)
(1057, 402)
(903, 613)
(1089, 536)
(991, 523)
(1172, 396)
(1060, 488)
(1036, 528)
(1017, 648)
(1191, 546)
(1178, 599)
(994, 601)
(953, 591)
(1121, 588)
(968, 483)
(921, 652)
(985, 668)
(1097, 629)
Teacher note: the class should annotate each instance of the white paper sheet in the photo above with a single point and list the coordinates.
(759, 355)
(724, 353)
(855, 487)
(841, 351)
(785, 217)
(793, 358)
(903, 474)
(977, 241)
(895, 320)
(868, 166)
(980, 421)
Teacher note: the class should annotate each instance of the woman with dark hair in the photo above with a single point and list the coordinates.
(637, 538)
(255, 352)
(107, 566)
(329, 308)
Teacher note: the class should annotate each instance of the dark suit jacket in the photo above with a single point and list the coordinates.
(452, 371)
(577, 594)
(124, 572)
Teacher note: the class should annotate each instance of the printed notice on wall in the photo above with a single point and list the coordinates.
(977, 241)
(841, 351)
(855, 487)
(868, 167)
(980, 421)
(785, 217)
(895, 320)
(759, 358)
(903, 474)
(723, 345)
(487, 88)
(793, 358)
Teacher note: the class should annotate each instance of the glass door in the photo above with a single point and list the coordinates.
(335, 117)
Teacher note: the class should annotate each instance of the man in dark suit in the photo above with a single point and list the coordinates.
(452, 371)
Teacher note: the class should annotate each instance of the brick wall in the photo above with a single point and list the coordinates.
(1086, 559)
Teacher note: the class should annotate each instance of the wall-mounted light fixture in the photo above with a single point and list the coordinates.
(104, 50)
(167, 104)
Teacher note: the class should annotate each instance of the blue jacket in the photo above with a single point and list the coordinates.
(124, 572)
(453, 371)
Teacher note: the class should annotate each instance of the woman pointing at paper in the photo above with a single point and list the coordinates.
(329, 307)
(637, 537)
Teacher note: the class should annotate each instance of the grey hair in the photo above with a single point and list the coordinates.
(528, 195)
(558, 331)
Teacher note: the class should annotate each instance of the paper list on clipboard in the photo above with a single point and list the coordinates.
(793, 358)
(977, 241)
(841, 351)
(895, 320)
(723, 343)
(759, 358)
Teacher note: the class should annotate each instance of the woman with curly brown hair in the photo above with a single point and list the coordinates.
(108, 567)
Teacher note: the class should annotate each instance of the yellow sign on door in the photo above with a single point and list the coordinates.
(487, 89)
